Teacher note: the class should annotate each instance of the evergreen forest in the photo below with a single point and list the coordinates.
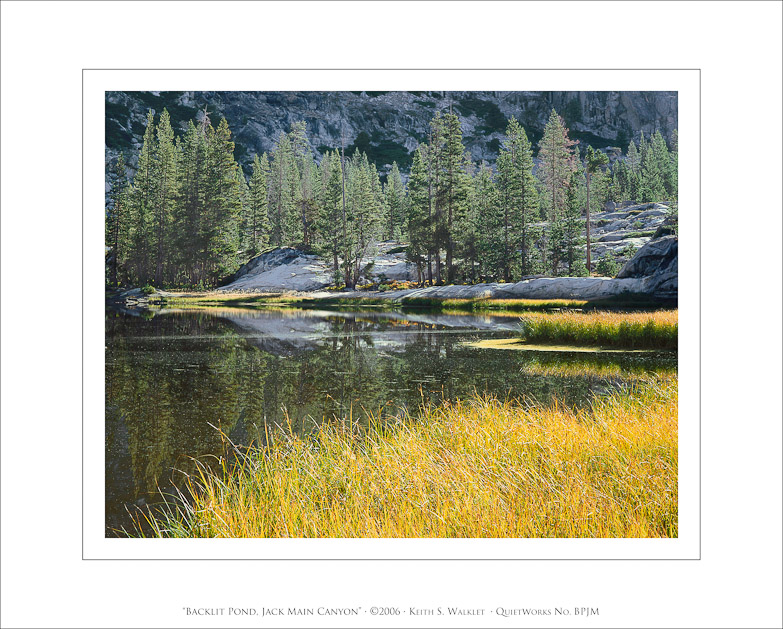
(189, 215)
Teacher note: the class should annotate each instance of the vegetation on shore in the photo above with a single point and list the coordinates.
(479, 468)
(511, 307)
(641, 330)
(261, 301)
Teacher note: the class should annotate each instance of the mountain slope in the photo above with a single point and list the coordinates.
(389, 125)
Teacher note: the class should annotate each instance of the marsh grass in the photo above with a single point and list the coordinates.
(479, 468)
(640, 330)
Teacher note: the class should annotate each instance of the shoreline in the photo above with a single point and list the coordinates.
(429, 299)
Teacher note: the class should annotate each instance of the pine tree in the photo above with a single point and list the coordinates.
(141, 205)
(455, 187)
(378, 208)
(571, 228)
(436, 222)
(418, 210)
(517, 188)
(191, 210)
(490, 222)
(166, 195)
(223, 206)
(117, 221)
(257, 221)
(345, 243)
(280, 191)
(363, 215)
(557, 163)
(655, 165)
(554, 243)
(673, 181)
(243, 192)
(308, 199)
(633, 174)
(594, 160)
(330, 217)
(299, 187)
(394, 194)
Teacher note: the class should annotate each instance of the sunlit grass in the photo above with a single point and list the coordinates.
(641, 330)
(478, 468)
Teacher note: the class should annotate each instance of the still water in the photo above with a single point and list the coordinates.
(174, 378)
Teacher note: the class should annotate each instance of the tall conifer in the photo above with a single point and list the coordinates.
(418, 209)
(257, 222)
(394, 193)
(117, 222)
(166, 195)
(594, 160)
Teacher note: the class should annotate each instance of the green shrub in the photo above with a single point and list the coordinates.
(643, 234)
(579, 270)
(629, 251)
(607, 266)
(148, 289)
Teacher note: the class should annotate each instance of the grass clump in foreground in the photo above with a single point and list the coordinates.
(650, 330)
(481, 468)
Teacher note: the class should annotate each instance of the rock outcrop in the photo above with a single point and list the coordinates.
(282, 269)
(287, 269)
(652, 272)
(655, 265)
(621, 231)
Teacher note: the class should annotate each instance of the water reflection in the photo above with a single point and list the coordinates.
(172, 378)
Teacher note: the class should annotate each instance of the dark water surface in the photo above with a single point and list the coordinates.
(171, 375)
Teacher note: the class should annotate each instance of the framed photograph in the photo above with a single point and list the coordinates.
(399, 323)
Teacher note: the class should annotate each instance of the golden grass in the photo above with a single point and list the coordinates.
(480, 468)
(637, 330)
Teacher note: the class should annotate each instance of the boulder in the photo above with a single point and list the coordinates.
(657, 256)
(655, 264)
(389, 264)
(282, 269)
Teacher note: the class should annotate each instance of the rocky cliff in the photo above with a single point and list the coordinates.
(389, 125)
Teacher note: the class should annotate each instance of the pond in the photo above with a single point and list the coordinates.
(176, 379)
